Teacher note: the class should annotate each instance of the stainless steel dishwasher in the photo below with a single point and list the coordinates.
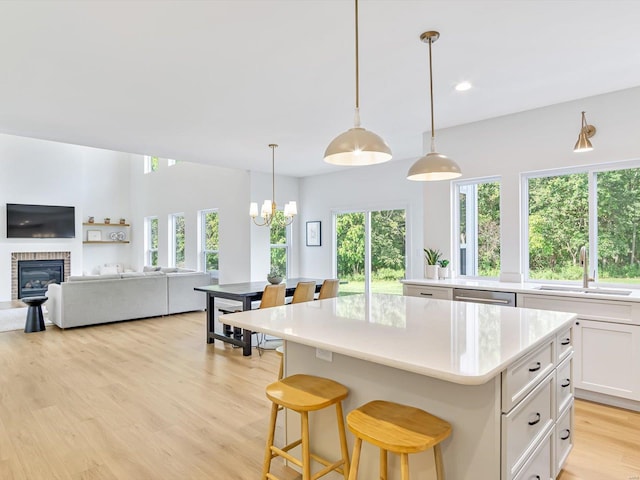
(489, 297)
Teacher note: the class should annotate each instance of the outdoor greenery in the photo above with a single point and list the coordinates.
(179, 233)
(211, 240)
(387, 248)
(153, 240)
(489, 229)
(278, 242)
(559, 225)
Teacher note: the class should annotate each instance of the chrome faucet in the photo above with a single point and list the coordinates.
(584, 263)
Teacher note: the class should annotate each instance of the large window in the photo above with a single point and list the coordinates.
(209, 240)
(177, 239)
(598, 208)
(477, 239)
(151, 240)
(371, 250)
(279, 235)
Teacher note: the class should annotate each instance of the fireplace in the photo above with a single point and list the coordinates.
(16, 257)
(35, 276)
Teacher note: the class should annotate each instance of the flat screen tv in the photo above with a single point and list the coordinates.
(40, 221)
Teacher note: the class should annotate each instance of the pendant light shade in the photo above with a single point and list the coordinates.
(434, 166)
(586, 132)
(357, 146)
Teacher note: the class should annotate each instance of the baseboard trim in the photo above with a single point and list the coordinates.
(608, 400)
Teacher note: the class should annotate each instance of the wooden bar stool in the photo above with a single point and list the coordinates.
(303, 394)
(399, 429)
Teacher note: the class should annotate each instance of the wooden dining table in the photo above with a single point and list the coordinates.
(245, 293)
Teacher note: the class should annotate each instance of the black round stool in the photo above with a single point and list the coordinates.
(35, 319)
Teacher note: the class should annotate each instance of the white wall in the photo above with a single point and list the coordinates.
(376, 187)
(42, 172)
(534, 140)
(188, 188)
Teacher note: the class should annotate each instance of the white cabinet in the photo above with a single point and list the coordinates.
(606, 340)
(608, 358)
(442, 293)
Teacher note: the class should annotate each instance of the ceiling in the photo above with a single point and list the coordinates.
(217, 81)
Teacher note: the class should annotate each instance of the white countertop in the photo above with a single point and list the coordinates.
(465, 343)
(530, 288)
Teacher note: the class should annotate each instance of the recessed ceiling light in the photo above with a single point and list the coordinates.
(463, 86)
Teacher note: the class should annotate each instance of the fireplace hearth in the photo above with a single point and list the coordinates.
(35, 276)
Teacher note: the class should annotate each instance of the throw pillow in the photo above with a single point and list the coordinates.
(150, 268)
(111, 270)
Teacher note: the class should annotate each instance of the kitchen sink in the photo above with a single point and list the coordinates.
(598, 290)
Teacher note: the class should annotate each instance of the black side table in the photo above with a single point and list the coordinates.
(35, 319)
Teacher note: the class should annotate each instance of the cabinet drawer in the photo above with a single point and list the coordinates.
(564, 385)
(427, 292)
(613, 311)
(538, 466)
(525, 426)
(564, 344)
(563, 439)
(522, 376)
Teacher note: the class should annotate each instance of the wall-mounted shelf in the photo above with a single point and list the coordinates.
(105, 241)
(87, 224)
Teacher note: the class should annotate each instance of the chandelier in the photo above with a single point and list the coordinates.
(268, 210)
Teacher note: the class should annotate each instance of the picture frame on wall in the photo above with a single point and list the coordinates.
(314, 237)
(94, 235)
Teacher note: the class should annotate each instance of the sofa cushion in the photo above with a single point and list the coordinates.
(153, 274)
(169, 269)
(150, 268)
(132, 274)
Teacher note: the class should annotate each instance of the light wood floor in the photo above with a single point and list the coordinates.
(148, 399)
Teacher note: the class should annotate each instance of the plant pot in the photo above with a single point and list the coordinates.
(274, 280)
(431, 272)
(443, 272)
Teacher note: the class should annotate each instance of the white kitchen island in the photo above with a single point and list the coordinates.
(499, 375)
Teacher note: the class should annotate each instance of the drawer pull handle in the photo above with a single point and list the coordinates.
(537, 420)
(426, 294)
(536, 368)
(566, 341)
(536, 477)
(565, 385)
(567, 435)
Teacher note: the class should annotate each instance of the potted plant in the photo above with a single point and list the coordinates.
(275, 275)
(443, 271)
(431, 258)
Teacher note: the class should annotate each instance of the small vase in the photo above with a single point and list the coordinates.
(443, 272)
(431, 272)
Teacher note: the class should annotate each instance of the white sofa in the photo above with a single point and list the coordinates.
(93, 299)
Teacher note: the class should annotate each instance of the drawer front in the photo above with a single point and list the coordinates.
(564, 385)
(428, 292)
(525, 426)
(563, 439)
(538, 467)
(564, 345)
(520, 378)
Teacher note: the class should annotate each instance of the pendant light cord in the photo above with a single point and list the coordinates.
(433, 132)
(273, 177)
(356, 120)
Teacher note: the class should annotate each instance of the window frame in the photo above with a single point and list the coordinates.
(203, 240)
(172, 238)
(148, 250)
(592, 246)
(148, 164)
(455, 191)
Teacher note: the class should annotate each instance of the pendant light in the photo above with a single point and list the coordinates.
(268, 210)
(586, 132)
(357, 146)
(433, 166)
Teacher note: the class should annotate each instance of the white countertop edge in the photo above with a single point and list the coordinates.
(409, 367)
(524, 287)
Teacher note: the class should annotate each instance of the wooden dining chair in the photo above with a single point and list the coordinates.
(329, 288)
(304, 292)
(273, 296)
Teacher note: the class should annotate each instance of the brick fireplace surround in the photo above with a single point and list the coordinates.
(16, 256)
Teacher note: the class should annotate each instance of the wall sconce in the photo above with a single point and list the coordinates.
(586, 132)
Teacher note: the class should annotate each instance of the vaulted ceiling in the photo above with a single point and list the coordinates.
(216, 81)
